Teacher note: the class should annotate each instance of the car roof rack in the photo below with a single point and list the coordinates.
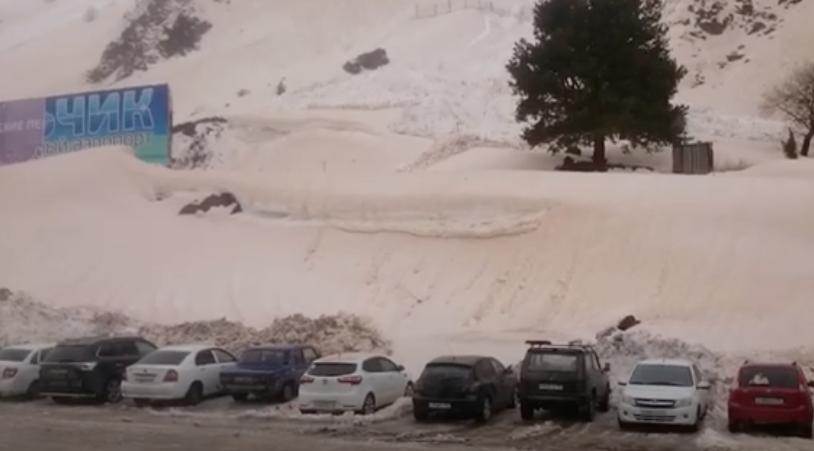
(576, 344)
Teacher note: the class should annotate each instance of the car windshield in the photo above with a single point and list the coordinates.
(265, 357)
(71, 353)
(553, 361)
(446, 371)
(766, 376)
(164, 358)
(668, 375)
(13, 355)
(332, 369)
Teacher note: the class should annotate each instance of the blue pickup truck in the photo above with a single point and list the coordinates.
(268, 372)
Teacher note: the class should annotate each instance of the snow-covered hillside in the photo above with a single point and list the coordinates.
(403, 194)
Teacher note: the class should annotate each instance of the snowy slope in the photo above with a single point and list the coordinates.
(344, 211)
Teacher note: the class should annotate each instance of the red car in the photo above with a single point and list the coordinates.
(771, 394)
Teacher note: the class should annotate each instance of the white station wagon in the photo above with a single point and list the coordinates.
(187, 373)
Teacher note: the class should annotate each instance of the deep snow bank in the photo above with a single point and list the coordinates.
(24, 320)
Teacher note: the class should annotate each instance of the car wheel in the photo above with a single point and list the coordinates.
(409, 390)
(697, 425)
(623, 425)
(33, 390)
(141, 402)
(240, 397)
(420, 411)
(806, 431)
(369, 406)
(604, 405)
(526, 410)
(735, 427)
(113, 391)
(588, 410)
(194, 395)
(288, 393)
(484, 410)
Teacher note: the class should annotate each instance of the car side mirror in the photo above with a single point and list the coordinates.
(607, 368)
(509, 370)
(622, 383)
(400, 367)
(704, 385)
(810, 384)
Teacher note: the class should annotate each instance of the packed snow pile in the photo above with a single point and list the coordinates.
(25, 320)
(329, 333)
(156, 29)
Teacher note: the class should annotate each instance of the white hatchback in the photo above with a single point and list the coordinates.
(187, 373)
(354, 382)
(20, 369)
(667, 392)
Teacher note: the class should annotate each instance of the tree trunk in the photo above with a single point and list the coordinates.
(806, 143)
(599, 158)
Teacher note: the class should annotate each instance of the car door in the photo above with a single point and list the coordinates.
(702, 395)
(396, 382)
(298, 364)
(378, 384)
(600, 378)
(205, 367)
(225, 361)
(488, 379)
(505, 381)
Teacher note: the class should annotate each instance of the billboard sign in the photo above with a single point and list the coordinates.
(139, 117)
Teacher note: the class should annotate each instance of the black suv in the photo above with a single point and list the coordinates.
(90, 368)
(563, 376)
(470, 385)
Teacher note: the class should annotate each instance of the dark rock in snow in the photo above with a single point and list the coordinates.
(367, 61)
(628, 322)
(215, 200)
(5, 294)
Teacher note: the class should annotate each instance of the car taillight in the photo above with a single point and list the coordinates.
(171, 376)
(352, 380)
(8, 373)
(306, 380)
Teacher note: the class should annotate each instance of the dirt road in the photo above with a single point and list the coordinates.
(219, 424)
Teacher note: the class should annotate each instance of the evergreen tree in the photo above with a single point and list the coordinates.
(597, 70)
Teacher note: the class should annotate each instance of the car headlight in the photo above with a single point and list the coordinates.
(629, 400)
(686, 402)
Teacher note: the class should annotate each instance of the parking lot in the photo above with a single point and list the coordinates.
(220, 424)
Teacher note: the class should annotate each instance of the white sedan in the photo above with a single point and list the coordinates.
(187, 373)
(355, 382)
(20, 369)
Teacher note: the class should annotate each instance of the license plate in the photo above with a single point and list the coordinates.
(58, 373)
(244, 380)
(769, 401)
(551, 387)
(440, 405)
(653, 413)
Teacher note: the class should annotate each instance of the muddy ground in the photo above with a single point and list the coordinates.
(220, 424)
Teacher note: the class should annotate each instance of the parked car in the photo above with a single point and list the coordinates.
(20, 369)
(667, 392)
(567, 376)
(352, 382)
(90, 367)
(771, 394)
(189, 373)
(475, 386)
(268, 372)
